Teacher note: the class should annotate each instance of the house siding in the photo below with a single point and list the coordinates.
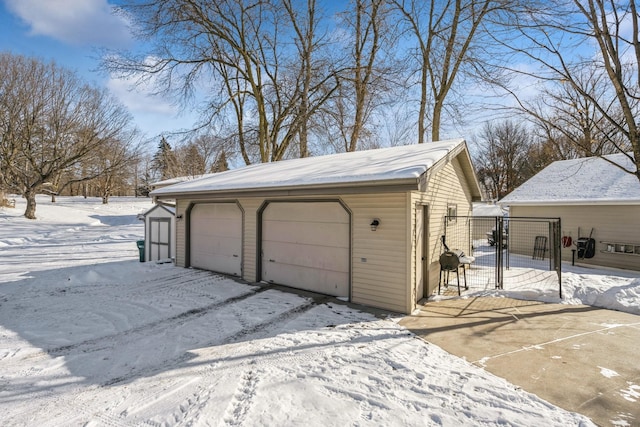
(446, 187)
(378, 258)
(250, 207)
(181, 249)
(610, 223)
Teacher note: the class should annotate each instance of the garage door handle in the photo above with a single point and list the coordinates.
(422, 258)
(235, 256)
(272, 260)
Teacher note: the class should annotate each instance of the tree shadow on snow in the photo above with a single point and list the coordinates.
(112, 323)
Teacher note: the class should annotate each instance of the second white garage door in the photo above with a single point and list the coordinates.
(216, 237)
(306, 245)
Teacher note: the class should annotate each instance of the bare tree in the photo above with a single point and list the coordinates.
(242, 49)
(572, 123)
(562, 38)
(112, 163)
(50, 121)
(502, 159)
(444, 33)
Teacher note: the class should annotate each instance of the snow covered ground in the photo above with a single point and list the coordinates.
(90, 336)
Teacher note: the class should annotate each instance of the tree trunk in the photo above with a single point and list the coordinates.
(435, 124)
(422, 113)
(30, 211)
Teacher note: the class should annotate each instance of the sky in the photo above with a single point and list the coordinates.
(71, 33)
(91, 336)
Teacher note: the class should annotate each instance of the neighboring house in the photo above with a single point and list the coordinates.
(485, 225)
(364, 226)
(159, 233)
(591, 197)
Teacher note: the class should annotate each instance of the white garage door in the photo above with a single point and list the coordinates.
(306, 246)
(216, 237)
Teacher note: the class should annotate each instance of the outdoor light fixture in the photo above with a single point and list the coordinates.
(374, 224)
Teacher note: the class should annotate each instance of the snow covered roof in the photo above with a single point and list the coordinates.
(487, 209)
(589, 180)
(393, 165)
(170, 209)
(176, 180)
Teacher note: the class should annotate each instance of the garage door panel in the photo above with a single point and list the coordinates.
(224, 246)
(335, 259)
(216, 237)
(310, 233)
(306, 245)
(323, 212)
(310, 279)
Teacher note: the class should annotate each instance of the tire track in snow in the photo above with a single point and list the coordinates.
(247, 332)
(109, 341)
(193, 405)
(188, 404)
(173, 321)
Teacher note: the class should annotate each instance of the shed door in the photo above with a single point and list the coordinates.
(159, 238)
(216, 237)
(306, 245)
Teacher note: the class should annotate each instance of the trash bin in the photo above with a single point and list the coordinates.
(140, 244)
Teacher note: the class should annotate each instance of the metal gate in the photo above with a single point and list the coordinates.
(509, 252)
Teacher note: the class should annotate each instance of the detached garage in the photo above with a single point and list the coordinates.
(594, 199)
(363, 226)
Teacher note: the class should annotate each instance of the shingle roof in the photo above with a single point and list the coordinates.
(588, 180)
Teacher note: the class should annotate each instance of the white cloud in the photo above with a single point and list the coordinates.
(139, 97)
(76, 22)
(154, 114)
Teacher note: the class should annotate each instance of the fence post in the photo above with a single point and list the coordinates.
(499, 253)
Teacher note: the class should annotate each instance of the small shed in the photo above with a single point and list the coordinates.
(159, 233)
(593, 199)
(363, 226)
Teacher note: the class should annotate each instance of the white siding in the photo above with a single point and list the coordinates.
(446, 187)
(250, 207)
(610, 223)
(181, 207)
(379, 258)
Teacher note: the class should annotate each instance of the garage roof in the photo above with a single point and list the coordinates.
(383, 166)
(589, 180)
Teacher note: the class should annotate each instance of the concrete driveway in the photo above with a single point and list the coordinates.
(580, 358)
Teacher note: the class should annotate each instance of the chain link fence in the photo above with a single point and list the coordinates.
(508, 253)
